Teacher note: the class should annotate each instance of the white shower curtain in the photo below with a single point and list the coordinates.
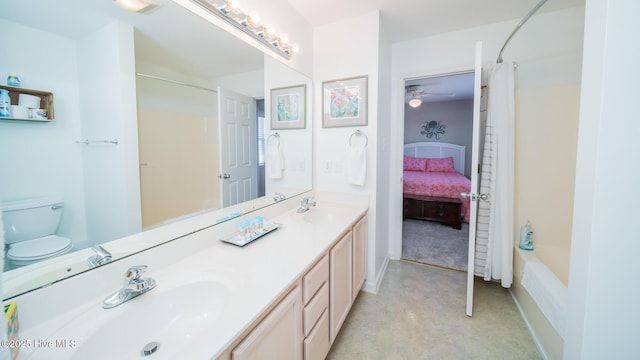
(494, 236)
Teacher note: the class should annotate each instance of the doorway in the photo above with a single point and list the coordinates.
(438, 135)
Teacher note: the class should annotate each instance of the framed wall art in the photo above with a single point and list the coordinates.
(288, 107)
(344, 102)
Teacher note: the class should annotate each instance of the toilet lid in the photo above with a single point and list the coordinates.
(40, 248)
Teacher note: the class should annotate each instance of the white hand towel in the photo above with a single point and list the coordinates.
(357, 165)
(275, 161)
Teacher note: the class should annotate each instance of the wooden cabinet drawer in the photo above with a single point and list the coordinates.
(412, 207)
(314, 279)
(437, 209)
(317, 345)
(315, 308)
(443, 210)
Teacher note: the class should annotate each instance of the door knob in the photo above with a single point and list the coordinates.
(474, 196)
(224, 176)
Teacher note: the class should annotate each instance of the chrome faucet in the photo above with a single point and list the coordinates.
(133, 286)
(279, 197)
(101, 257)
(305, 204)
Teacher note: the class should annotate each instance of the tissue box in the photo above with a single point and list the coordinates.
(11, 314)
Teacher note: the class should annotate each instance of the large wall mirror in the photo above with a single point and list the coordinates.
(159, 116)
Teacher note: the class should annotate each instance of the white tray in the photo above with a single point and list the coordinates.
(242, 241)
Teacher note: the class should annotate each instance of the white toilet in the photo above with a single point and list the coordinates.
(30, 228)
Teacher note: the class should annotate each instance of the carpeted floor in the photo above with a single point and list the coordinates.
(431, 243)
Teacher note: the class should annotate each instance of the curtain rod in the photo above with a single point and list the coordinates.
(524, 20)
(176, 82)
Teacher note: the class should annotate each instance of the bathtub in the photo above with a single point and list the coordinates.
(556, 258)
(541, 296)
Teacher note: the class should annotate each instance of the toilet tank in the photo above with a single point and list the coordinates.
(31, 218)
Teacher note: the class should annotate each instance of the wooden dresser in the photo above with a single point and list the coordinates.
(443, 210)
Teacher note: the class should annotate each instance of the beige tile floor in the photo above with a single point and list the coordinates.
(419, 313)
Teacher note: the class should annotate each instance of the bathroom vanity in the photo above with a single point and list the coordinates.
(287, 293)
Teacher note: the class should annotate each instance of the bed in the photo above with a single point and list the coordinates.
(435, 171)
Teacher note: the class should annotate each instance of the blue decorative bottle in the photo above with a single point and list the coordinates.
(13, 80)
(5, 103)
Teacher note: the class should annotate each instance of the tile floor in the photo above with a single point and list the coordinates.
(419, 313)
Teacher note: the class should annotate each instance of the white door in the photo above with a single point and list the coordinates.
(238, 155)
(475, 183)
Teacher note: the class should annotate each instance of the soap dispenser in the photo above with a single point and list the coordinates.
(526, 240)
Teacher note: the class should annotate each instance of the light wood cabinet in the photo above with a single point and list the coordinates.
(305, 323)
(279, 335)
(316, 311)
(340, 282)
(360, 237)
(317, 345)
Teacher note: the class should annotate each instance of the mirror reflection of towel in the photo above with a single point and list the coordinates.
(357, 165)
(275, 161)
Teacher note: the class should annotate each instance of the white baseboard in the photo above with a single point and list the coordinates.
(372, 287)
(531, 331)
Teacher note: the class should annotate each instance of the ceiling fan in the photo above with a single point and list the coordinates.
(417, 92)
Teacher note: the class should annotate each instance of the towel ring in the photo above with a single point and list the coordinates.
(274, 135)
(359, 133)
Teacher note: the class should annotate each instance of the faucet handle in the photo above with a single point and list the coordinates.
(134, 273)
(101, 257)
(279, 197)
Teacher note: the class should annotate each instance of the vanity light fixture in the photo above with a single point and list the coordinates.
(135, 5)
(231, 12)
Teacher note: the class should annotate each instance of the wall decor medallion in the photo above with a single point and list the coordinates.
(433, 129)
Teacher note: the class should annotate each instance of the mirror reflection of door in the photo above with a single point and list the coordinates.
(238, 154)
(178, 147)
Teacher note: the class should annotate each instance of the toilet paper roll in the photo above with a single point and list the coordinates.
(19, 112)
(29, 101)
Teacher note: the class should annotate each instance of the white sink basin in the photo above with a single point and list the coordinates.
(323, 215)
(176, 319)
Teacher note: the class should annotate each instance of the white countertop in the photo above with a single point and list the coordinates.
(255, 276)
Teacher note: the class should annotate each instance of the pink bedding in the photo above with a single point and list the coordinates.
(442, 184)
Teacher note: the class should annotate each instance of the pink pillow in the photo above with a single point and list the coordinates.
(441, 165)
(415, 164)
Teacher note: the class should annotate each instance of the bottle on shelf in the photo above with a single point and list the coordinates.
(13, 80)
(5, 103)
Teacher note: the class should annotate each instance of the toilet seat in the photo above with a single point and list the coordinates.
(39, 249)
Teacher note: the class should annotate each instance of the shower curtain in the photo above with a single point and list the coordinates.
(494, 235)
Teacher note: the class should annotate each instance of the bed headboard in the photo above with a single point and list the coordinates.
(437, 150)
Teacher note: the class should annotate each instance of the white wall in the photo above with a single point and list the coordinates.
(603, 321)
(296, 144)
(42, 158)
(250, 83)
(106, 67)
(337, 57)
(383, 173)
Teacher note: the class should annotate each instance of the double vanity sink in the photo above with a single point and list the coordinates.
(202, 302)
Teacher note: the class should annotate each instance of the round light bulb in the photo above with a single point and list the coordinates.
(414, 103)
